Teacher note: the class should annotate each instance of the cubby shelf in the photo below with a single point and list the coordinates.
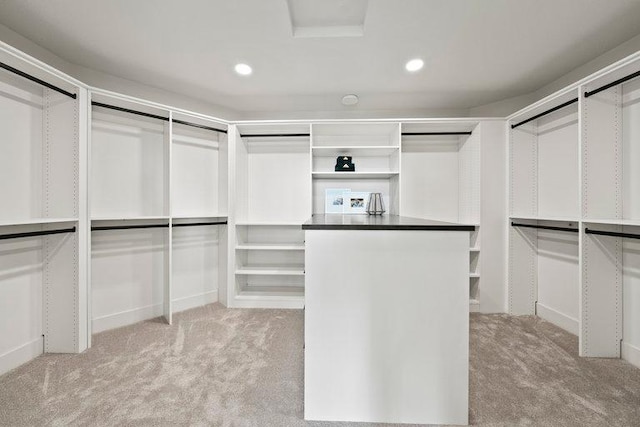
(474, 249)
(354, 150)
(474, 275)
(273, 293)
(354, 175)
(281, 270)
(270, 247)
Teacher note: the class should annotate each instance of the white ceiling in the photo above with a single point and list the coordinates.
(475, 51)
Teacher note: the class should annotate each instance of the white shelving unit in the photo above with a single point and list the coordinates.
(130, 176)
(442, 162)
(159, 205)
(611, 203)
(200, 196)
(582, 175)
(272, 183)
(544, 191)
(375, 148)
(42, 262)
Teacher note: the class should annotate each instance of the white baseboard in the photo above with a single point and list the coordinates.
(124, 318)
(20, 355)
(192, 301)
(561, 320)
(631, 354)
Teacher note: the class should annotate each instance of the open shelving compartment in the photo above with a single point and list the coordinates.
(267, 266)
(199, 210)
(375, 149)
(40, 256)
(130, 212)
(544, 212)
(441, 161)
(610, 320)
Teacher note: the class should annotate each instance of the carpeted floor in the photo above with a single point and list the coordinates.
(224, 367)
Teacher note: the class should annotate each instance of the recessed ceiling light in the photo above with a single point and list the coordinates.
(414, 65)
(243, 69)
(350, 99)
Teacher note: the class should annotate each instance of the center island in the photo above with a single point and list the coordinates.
(386, 320)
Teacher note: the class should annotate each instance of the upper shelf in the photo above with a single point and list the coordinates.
(35, 221)
(354, 175)
(632, 222)
(546, 218)
(365, 150)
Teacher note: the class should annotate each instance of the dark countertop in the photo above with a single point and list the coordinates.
(379, 222)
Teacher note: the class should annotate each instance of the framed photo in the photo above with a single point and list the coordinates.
(334, 200)
(355, 202)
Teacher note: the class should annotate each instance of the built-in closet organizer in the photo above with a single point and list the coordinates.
(427, 170)
(441, 181)
(42, 260)
(545, 212)
(574, 248)
(158, 211)
(271, 180)
(611, 215)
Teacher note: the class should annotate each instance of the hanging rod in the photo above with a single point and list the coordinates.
(545, 227)
(434, 133)
(37, 233)
(198, 224)
(127, 227)
(612, 84)
(544, 113)
(127, 110)
(276, 135)
(182, 122)
(155, 116)
(612, 234)
(37, 80)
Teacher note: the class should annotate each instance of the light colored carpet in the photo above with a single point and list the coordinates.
(225, 367)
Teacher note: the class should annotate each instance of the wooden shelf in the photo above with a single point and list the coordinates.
(354, 175)
(280, 270)
(271, 246)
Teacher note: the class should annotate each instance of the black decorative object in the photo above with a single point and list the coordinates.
(345, 164)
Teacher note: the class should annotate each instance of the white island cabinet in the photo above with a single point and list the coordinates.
(386, 320)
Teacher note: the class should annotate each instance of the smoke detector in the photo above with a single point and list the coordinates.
(349, 100)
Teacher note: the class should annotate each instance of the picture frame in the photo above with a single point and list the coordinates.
(355, 202)
(334, 200)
